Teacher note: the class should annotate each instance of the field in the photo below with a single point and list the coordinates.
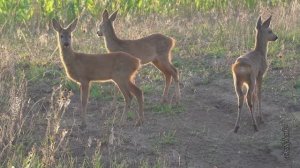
(39, 105)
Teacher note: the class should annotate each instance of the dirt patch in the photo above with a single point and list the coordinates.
(199, 136)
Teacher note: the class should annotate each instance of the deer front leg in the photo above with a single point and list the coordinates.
(140, 98)
(84, 89)
(123, 86)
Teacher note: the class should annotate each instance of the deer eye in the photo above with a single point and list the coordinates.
(61, 36)
(270, 31)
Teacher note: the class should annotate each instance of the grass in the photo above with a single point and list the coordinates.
(167, 138)
(32, 130)
(297, 85)
(167, 109)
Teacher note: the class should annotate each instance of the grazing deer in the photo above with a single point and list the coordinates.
(82, 68)
(249, 70)
(155, 48)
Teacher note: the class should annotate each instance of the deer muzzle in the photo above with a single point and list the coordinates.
(66, 44)
(99, 33)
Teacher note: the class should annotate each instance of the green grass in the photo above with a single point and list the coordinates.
(167, 138)
(69, 84)
(167, 109)
(297, 85)
(130, 115)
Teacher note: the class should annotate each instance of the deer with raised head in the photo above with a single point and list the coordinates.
(155, 48)
(82, 68)
(249, 70)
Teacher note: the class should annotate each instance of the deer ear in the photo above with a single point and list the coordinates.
(57, 27)
(259, 23)
(266, 24)
(113, 16)
(72, 25)
(105, 15)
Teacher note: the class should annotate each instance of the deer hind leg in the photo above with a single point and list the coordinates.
(238, 89)
(168, 79)
(123, 86)
(250, 97)
(140, 98)
(170, 72)
(175, 76)
(84, 89)
(258, 91)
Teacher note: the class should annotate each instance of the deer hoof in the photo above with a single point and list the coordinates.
(236, 128)
(255, 128)
(138, 123)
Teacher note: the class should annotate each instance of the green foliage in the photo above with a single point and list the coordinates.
(18, 11)
(15, 11)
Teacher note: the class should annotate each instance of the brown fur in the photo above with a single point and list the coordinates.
(248, 70)
(82, 68)
(155, 48)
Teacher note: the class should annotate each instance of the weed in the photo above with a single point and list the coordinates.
(70, 85)
(167, 138)
(130, 115)
(160, 163)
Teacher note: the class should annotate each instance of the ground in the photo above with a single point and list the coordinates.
(196, 133)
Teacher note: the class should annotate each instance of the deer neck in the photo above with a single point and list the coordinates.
(111, 39)
(261, 45)
(67, 54)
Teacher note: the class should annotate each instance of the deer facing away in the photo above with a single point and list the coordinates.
(82, 68)
(249, 70)
(155, 48)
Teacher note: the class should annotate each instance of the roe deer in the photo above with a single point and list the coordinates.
(82, 68)
(249, 70)
(155, 48)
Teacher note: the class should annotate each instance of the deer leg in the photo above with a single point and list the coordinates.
(127, 96)
(140, 98)
(250, 94)
(168, 79)
(115, 95)
(258, 91)
(240, 96)
(175, 76)
(84, 89)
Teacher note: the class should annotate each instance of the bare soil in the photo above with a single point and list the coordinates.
(199, 136)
